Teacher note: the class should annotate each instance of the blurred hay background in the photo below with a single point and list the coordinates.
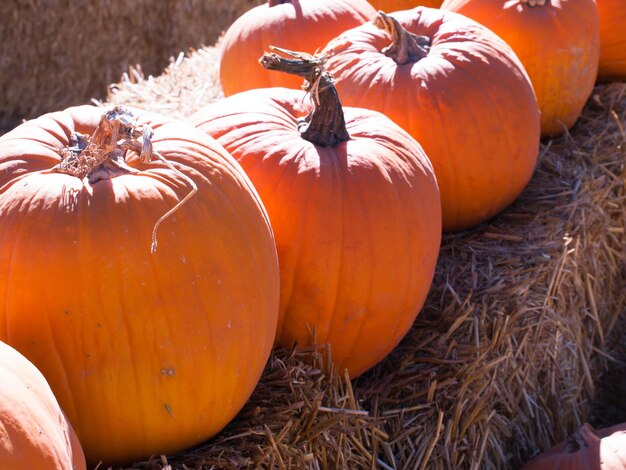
(57, 53)
(521, 322)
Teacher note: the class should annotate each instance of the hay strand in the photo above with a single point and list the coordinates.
(505, 357)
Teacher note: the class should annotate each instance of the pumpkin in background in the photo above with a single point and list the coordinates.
(34, 432)
(558, 43)
(586, 449)
(459, 90)
(355, 210)
(612, 39)
(147, 353)
(304, 25)
(397, 5)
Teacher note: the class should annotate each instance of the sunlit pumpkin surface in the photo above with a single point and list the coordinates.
(34, 433)
(558, 44)
(299, 25)
(468, 102)
(357, 224)
(612, 39)
(146, 352)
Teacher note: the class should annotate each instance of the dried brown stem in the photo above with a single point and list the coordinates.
(405, 47)
(325, 125)
(103, 154)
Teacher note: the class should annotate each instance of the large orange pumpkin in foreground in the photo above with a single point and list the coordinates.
(558, 43)
(146, 352)
(355, 209)
(586, 449)
(459, 90)
(397, 5)
(612, 39)
(303, 25)
(34, 433)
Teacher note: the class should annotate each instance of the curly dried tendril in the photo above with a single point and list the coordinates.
(102, 155)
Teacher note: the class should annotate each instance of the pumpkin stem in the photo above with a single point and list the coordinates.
(585, 437)
(103, 154)
(534, 3)
(325, 125)
(405, 47)
(273, 3)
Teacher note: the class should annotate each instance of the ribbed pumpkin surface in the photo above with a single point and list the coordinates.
(558, 44)
(34, 433)
(147, 353)
(357, 224)
(468, 102)
(612, 39)
(300, 25)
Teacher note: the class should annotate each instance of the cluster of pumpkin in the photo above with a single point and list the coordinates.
(283, 217)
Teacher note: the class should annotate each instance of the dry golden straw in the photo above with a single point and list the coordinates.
(503, 360)
(62, 53)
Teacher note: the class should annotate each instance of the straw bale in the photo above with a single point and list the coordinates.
(188, 83)
(302, 415)
(504, 358)
(57, 53)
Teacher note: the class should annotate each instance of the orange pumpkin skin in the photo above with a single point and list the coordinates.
(147, 353)
(302, 25)
(558, 44)
(397, 5)
(457, 102)
(34, 432)
(604, 449)
(612, 15)
(357, 225)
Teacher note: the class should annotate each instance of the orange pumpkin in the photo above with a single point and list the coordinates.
(304, 25)
(397, 5)
(34, 432)
(587, 449)
(612, 15)
(558, 43)
(459, 90)
(355, 209)
(148, 353)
